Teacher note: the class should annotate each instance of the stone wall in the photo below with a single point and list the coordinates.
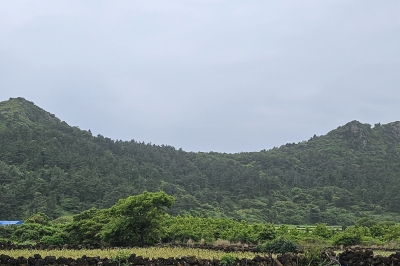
(349, 257)
(133, 260)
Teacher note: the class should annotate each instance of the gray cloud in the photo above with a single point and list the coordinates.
(224, 76)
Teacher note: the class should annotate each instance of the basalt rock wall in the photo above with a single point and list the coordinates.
(133, 260)
(358, 257)
(349, 257)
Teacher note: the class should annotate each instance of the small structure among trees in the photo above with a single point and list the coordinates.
(10, 223)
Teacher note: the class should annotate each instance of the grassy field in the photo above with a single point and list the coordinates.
(150, 252)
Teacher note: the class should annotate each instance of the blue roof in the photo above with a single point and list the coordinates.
(10, 222)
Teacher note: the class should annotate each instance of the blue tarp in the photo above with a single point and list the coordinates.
(10, 222)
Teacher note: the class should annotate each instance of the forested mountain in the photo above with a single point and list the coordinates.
(48, 166)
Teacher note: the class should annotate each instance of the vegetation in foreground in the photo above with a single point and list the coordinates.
(142, 221)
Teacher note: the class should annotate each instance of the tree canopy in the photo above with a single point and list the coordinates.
(137, 220)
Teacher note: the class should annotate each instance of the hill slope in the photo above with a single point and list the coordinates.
(48, 166)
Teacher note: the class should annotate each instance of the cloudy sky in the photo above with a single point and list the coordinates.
(204, 75)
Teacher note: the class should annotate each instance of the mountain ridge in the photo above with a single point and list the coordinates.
(23, 108)
(48, 166)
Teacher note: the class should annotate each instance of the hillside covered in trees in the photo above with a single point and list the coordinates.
(48, 166)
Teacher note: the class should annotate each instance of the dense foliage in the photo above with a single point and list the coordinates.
(50, 167)
(141, 220)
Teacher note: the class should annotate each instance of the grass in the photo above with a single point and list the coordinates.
(150, 252)
(383, 253)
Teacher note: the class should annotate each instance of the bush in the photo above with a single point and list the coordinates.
(312, 256)
(346, 239)
(7, 231)
(227, 260)
(323, 231)
(121, 258)
(370, 241)
(377, 231)
(279, 246)
(366, 222)
(32, 232)
(52, 240)
(3, 240)
(39, 218)
(267, 232)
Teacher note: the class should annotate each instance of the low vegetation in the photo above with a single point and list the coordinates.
(142, 221)
(148, 252)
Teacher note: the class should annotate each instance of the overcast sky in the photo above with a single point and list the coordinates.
(220, 75)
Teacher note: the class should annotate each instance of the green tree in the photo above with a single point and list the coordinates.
(137, 220)
(366, 221)
(323, 231)
(267, 232)
(279, 246)
(351, 236)
(86, 227)
(39, 218)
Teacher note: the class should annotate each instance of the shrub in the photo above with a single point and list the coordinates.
(7, 231)
(3, 240)
(32, 232)
(370, 241)
(39, 218)
(377, 231)
(227, 260)
(267, 232)
(52, 240)
(346, 239)
(366, 222)
(312, 256)
(279, 246)
(323, 231)
(121, 258)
